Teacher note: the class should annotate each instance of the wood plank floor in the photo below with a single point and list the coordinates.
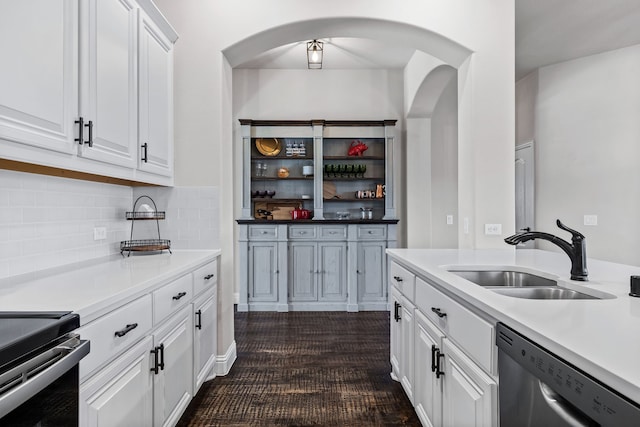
(306, 369)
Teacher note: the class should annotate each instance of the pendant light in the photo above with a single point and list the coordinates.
(314, 55)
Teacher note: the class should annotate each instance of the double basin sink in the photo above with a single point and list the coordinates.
(520, 284)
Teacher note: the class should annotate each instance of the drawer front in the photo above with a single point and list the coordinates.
(333, 232)
(205, 277)
(402, 279)
(472, 333)
(369, 232)
(263, 232)
(115, 332)
(171, 297)
(302, 232)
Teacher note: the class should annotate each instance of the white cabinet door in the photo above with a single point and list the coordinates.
(156, 99)
(120, 394)
(469, 395)
(205, 337)
(38, 76)
(173, 382)
(372, 272)
(427, 386)
(395, 333)
(407, 338)
(302, 272)
(332, 271)
(108, 85)
(263, 273)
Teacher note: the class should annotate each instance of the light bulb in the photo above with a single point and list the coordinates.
(314, 55)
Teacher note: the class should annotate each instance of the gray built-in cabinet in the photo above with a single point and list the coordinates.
(321, 263)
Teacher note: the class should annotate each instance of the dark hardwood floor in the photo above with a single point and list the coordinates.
(306, 369)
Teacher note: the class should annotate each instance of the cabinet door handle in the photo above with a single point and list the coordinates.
(126, 330)
(208, 276)
(358, 272)
(180, 295)
(145, 148)
(397, 278)
(434, 350)
(199, 319)
(162, 357)
(90, 126)
(396, 313)
(437, 311)
(439, 372)
(156, 362)
(80, 138)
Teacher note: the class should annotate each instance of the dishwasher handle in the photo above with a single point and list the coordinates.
(37, 373)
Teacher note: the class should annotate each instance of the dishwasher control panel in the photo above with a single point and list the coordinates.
(560, 380)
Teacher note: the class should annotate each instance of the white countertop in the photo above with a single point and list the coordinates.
(94, 288)
(602, 337)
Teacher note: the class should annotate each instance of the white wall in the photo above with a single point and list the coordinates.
(587, 131)
(48, 222)
(444, 168)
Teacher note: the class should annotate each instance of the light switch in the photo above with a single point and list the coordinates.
(99, 233)
(493, 229)
(591, 220)
(449, 219)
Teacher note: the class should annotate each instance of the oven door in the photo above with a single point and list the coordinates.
(42, 389)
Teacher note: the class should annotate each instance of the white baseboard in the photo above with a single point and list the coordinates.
(224, 362)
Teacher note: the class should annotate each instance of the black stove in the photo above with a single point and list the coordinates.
(39, 357)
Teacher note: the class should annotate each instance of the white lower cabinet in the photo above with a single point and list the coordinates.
(470, 396)
(402, 341)
(143, 375)
(172, 366)
(372, 272)
(317, 271)
(205, 337)
(122, 393)
(445, 363)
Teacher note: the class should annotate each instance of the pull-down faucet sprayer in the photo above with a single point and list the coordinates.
(576, 249)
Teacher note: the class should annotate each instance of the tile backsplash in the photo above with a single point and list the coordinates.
(48, 222)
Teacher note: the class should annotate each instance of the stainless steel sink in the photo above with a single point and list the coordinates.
(512, 279)
(555, 292)
(519, 284)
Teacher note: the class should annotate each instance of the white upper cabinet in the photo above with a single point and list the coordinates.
(108, 81)
(156, 99)
(38, 76)
(87, 86)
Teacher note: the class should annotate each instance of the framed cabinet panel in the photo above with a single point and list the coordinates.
(38, 76)
(372, 286)
(332, 267)
(263, 273)
(303, 271)
(205, 337)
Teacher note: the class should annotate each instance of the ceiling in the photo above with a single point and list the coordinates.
(547, 32)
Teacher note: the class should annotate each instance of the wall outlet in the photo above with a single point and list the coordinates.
(99, 233)
(449, 219)
(591, 220)
(493, 229)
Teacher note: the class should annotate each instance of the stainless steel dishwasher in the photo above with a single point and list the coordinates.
(538, 388)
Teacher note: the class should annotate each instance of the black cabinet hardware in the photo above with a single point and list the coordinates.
(80, 138)
(180, 295)
(199, 319)
(90, 140)
(208, 276)
(145, 148)
(396, 312)
(161, 348)
(126, 330)
(439, 372)
(434, 349)
(438, 312)
(156, 363)
(398, 278)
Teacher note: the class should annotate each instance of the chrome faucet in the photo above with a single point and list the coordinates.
(576, 250)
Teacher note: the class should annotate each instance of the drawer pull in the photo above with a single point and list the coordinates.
(208, 276)
(370, 232)
(438, 312)
(303, 232)
(397, 278)
(180, 295)
(199, 319)
(263, 232)
(126, 330)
